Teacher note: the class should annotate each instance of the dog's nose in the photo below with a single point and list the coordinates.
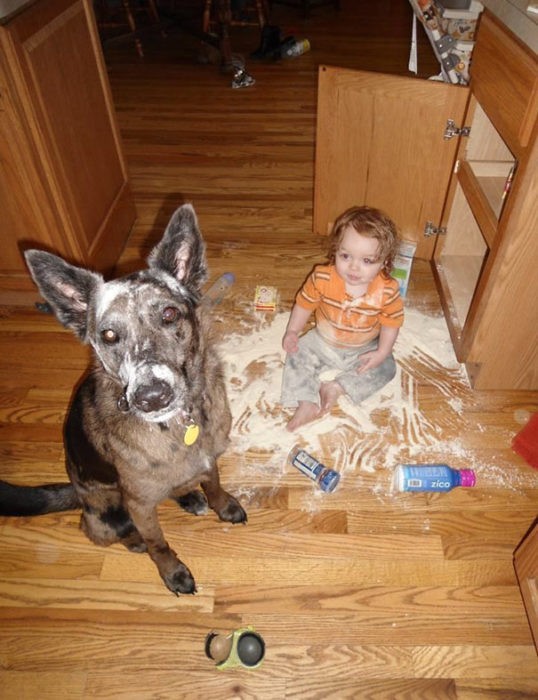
(153, 397)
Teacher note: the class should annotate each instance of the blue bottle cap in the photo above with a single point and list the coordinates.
(329, 481)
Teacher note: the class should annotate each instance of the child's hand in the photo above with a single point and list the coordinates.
(370, 360)
(290, 342)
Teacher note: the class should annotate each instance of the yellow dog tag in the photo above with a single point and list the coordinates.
(191, 434)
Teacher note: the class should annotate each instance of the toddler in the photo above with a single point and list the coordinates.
(358, 313)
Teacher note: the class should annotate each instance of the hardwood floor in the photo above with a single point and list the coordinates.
(357, 594)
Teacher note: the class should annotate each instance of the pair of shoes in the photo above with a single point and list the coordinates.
(285, 45)
(270, 43)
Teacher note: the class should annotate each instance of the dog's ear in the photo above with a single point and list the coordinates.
(181, 251)
(66, 288)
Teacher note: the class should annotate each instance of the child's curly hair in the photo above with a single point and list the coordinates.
(372, 223)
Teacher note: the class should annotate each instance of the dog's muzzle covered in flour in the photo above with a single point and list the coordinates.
(152, 392)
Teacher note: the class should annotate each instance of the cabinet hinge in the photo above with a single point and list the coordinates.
(431, 229)
(445, 43)
(452, 130)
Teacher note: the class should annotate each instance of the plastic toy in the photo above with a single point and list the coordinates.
(244, 648)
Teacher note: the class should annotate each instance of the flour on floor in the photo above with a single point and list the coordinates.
(388, 428)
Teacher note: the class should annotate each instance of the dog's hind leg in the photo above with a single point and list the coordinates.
(113, 524)
(193, 502)
(225, 505)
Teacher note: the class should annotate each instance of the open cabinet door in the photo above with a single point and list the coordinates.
(380, 142)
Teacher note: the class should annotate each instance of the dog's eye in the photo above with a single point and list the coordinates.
(109, 336)
(170, 314)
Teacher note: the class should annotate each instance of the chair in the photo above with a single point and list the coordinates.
(252, 13)
(307, 5)
(109, 16)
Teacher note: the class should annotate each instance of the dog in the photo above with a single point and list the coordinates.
(152, 417)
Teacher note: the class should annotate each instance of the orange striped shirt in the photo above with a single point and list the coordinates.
(344, 321)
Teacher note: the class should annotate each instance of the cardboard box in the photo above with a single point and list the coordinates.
(265, 298)
(403, 261)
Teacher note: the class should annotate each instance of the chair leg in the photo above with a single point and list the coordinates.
(129, 15)
(153, 13)
(224, 14)
(132, 25)
(262, 13)
(206, 16)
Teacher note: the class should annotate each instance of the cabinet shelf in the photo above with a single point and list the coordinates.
(459, 275)
(494, 180)
(479, 192)
(460, 255)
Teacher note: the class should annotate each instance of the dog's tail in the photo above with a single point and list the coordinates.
(36, 500)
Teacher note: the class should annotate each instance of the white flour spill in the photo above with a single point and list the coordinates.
(372, 438)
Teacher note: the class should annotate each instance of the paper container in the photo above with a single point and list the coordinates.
(403, 260)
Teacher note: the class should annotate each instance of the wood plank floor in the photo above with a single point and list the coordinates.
(359, 594)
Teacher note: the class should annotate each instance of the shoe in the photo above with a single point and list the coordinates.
(270, 43)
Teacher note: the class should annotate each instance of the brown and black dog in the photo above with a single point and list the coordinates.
(151, 419)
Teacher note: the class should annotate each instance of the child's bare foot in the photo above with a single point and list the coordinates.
(306, 412)
(329, 393)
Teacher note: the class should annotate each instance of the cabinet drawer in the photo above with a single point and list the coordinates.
(505, 82)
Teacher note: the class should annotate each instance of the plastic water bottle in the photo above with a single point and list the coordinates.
(289, 50)
(326, 478)
(431, 477)
(219, 289)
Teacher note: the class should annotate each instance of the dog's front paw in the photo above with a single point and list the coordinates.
(232, 512)
(180, 581)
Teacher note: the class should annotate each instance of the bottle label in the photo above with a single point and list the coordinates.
(431, 477)
(306, 464)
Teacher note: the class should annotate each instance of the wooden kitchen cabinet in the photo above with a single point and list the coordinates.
(526, 566)
(457, 169)
(63, 181)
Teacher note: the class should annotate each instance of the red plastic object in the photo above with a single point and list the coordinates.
(525, 442)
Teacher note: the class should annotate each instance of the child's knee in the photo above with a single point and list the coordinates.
(389, 368)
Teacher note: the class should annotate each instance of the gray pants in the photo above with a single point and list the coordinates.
(301, 382)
